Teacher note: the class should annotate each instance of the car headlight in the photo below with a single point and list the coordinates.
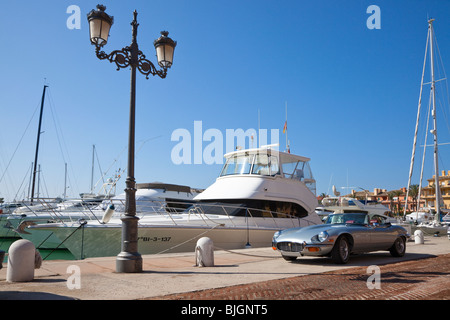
(322, 236)
(276, 235)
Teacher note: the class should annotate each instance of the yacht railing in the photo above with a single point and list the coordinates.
(56, 209)
(203, 211)
(207, 212)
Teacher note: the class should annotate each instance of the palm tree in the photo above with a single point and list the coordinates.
(414, 194)
(391, 195)
(398, 193)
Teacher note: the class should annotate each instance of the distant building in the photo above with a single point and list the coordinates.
(429, 191)
(395, 200)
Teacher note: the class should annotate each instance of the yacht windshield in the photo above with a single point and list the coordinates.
(347, 218)
(301, 171)
(261, 164)
(266, 165)
(239, 164)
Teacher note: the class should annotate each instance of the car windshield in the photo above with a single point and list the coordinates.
(347, 218)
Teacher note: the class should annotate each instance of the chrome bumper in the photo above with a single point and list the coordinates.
(295, 249)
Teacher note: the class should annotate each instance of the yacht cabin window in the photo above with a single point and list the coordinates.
(250, 208)
(240, 164)
(299, 170)
(266, 165)
(261, 164)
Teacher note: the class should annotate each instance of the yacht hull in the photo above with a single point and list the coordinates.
(97, 240)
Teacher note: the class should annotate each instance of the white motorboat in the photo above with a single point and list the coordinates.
(421, 216)
(258, 192)
(6, 209)
(432, 228)
(150, 197)
(348, 204)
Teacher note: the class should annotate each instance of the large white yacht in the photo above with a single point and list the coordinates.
(150, 197)
(259, 191)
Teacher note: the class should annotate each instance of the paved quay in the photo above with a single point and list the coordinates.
(171, 274)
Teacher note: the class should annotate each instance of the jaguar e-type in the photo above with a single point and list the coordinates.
(343, 234)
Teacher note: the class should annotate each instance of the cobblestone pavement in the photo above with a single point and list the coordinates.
(425, 279)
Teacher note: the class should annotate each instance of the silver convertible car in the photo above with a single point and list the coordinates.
(342, 234)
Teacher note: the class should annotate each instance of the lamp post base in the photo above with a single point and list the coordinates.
(127, 262)
(129, 259)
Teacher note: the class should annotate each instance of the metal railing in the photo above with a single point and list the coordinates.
(173, 210)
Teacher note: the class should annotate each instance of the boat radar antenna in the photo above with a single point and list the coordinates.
(335, 192)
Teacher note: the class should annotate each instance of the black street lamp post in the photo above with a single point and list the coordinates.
(129, 259)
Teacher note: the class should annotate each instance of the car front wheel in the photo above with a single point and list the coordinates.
(341, 251)
(398, 248)
(288, 258)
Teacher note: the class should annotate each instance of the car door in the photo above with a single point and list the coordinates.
(361, 238)
(382, 235)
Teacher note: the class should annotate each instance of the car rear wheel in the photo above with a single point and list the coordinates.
(398, 248)
(341, 251)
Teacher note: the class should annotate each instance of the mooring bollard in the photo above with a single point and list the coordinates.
(2, 257)
(418, 237)
(204, 253)
(22, 260)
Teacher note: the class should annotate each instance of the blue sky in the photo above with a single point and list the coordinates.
(351, 92)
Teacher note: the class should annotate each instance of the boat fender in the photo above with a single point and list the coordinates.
(108, 213)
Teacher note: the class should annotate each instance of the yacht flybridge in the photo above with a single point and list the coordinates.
(258, 192)
(265, 179)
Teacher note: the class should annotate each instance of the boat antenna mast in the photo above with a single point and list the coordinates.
(285, 130)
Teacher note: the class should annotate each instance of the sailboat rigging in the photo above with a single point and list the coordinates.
(433, 131)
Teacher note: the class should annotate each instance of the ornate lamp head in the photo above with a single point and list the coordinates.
(165, 48)
(99, 25)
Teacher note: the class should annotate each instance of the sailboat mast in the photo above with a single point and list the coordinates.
(434, 132)
(92, 170)
(65, 180)
(37, 145)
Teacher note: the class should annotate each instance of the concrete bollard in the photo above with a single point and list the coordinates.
(22, 260)
(204, 253)
(418, 237)
(2, 257)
